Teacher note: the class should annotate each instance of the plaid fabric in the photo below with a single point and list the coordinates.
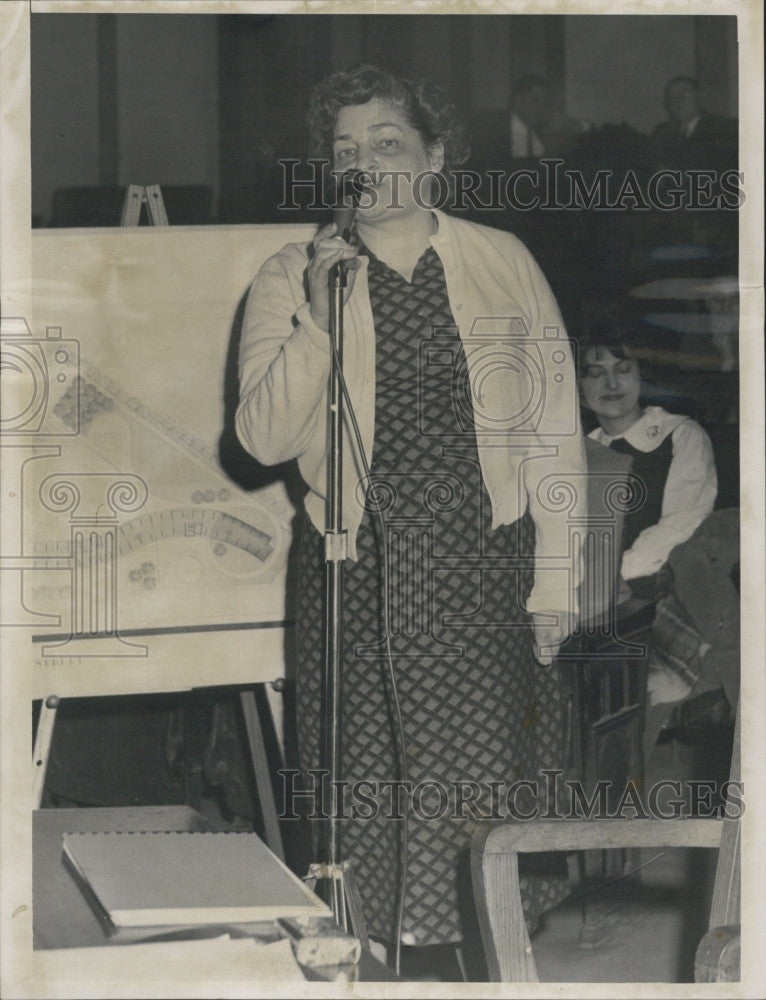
(676, 641)
(476, 706)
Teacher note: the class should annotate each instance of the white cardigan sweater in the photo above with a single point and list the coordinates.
(520, 368)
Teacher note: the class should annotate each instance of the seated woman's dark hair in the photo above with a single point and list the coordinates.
(605, 325)
(425, 106)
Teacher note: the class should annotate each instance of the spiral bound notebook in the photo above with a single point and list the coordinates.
(155, 879)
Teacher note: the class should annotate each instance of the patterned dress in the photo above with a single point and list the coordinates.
(476, 706)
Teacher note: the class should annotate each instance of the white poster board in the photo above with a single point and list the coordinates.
(142, 564)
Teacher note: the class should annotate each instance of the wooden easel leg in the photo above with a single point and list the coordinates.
(42, 747)
(261, 771)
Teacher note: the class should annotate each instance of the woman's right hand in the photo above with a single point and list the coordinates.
(329, 248)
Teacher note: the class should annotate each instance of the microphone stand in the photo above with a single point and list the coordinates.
(344, 899)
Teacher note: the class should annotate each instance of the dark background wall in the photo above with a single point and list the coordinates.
(204, 99)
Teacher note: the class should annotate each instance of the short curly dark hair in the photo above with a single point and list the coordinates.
(425, 106)
(607, 325)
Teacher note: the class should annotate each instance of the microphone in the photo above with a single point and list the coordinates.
(350, 189)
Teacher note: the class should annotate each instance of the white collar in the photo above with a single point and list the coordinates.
(648, 432)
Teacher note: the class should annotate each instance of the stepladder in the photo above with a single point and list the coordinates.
(137, 197)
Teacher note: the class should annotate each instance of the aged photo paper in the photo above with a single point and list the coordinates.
(147, 559)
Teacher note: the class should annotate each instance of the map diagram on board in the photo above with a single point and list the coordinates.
(128, 525)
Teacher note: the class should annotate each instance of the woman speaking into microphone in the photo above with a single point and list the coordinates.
(458, 586)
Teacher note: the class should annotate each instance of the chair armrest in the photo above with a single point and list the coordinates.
(495, 853)
(718, 956)
(596, 834)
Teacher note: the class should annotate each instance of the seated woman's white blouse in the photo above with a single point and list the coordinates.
(690, 489)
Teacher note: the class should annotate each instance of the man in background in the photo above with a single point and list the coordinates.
(530, 117)
(538, 127)
(693, 138)
(533, 126)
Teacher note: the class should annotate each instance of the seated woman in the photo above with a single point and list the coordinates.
(673, 461)
(672, 455)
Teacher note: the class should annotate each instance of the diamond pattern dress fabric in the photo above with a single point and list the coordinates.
(475, 704)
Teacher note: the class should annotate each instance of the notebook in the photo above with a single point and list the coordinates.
(155, 879)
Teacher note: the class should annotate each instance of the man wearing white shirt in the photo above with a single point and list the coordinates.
(530, 116)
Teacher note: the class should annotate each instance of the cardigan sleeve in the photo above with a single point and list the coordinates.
(689, 496)
(556, 481)
(284, 363)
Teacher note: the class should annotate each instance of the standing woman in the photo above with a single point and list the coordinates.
(466, 430)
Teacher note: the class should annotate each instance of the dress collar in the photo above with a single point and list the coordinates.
(649, 431)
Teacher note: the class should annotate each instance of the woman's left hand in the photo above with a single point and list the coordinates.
(548, 637)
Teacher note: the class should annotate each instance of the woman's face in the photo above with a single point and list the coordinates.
(610, 387)
(377, 139)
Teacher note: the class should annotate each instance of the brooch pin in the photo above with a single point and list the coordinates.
(653, 431)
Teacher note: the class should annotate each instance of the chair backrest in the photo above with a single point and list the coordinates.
(495, 852)
(725, 907)
(82, 206)
(718, 954)
(74, 207)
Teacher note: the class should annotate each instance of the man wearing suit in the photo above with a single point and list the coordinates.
(515, 132)
(538, 127)
(692, 138)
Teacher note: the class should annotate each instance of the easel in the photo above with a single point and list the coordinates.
(136, 197)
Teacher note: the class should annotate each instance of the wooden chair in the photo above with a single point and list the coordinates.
(606, 680)
(494, 861)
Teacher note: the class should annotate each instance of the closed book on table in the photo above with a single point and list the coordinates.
(156, 879)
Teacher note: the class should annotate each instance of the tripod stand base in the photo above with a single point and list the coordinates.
(345, 901)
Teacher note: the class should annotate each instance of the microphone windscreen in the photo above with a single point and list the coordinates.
(350, 189)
